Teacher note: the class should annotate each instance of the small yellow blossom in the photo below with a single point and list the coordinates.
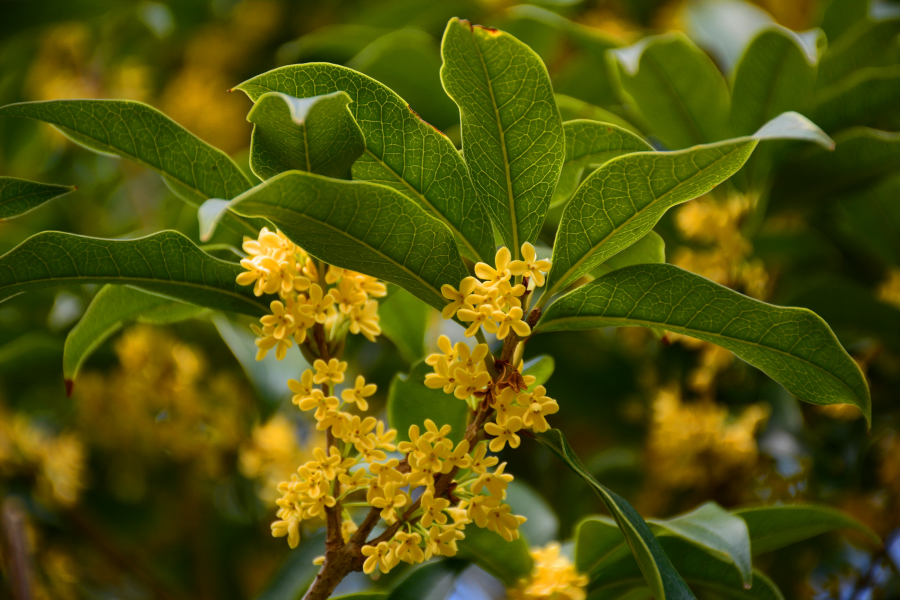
(377, 556)
(461, 298)
(448, 352)
(504, 434)
(496, 482)
(442, 377)
(537, 406)
(365, 320)
(491, 276)
(480, 462)
(329, 373)
(529, 266)
(478, 318)
(553, 576)
(510, 320)
(500, 520)
(433, 509)
(320, 402)
(359, 392)
(408, 549)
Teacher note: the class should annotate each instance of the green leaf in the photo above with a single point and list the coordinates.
(410, 402)
(868, 43)
(512, 133)
(402, 151)
(192, 168)
(590, 144)
(620, 202)
(653, 563)
(677, 90)
(317, 134)
(430, 581)
(19, 196)
(540, 367)
(860, 158)
(362, 596)
(860, 99)
(296, 572)
(113, 306)
(404, 320)
(793, 346)
(507, 561)
(649, 249)
(774, 527)
(871, 217)
(542, 526)
(361, 226)
(775, 74)
(572, 109)
(718, 532)
(165, 263)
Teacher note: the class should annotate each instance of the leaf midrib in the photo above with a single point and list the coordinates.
(688, 332)
(564, 279)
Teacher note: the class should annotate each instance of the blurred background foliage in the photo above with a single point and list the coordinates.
(156, 478)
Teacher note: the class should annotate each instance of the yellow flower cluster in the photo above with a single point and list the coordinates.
(276, 265)
(357, 465)
(496, 302)
(553, 578)
(57, 462)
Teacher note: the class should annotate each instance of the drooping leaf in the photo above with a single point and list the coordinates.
(867, 44)
(572, 109)
(193, 169)
(774, 527)
(713, 529)
(860, 99)
(360, 226)
(649, 249)
(402, 151)
(410, 402)
(677, 90)
(296, 572)
(404, 320)
(861, 157)
(507, 561)
(317, 134)
(660, 576)
(622, 200)
(165, 263)
(590, 144)
(776, 74)
(513, 139)
(19, 196)
(793, 346)
(112, 307)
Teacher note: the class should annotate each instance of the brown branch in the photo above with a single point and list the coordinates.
(19, 567)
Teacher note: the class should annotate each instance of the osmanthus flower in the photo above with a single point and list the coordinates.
(365, 320)
(530, 266)
(480, 461)
(504, 434)
(460, 298)
(302, 388)
(553, 576)
(445, 346)
(479, 317)
(329, 373)
(478, 508)
(359, 392)
(496, 482)
(537, 405)
(437, 435)
(377, 557)
(442, 377)
(318, 401)
(280, 320)
(409, 548)
(499, 273)
(458, 459)
(501, 520)
(510, 320)
(347, 295)
(433, 509)
(471, 360)
(391, 498)
(468, 383)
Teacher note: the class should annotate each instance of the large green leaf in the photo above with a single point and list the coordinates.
(649, 249)
(402, 151)
(431, 581)
(871, 217)
(861, 157)
(512, 133)
(774, 527)
(793, 346)
(19, 196)
(410, 402)
(296, 572)
(193, 169)
(165, 263)
(589, 144)
(677, 90)
(775, 74)
(361, 226)
(404, 320)
(113, 306)
(869, 43)
(652, 562)
(507, 561)
(317, 134)
(572, 109)
(860, 99)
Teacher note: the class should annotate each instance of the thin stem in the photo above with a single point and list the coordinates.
(19, 567)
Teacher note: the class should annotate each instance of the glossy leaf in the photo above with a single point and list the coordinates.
(590, 144)
(649, 249)
(165, 263)
(871, 217)
(677, 90)
(661, 577)
(774, 527)
(507, 561)
(793, 346)
(113, 306)
(775, 74)
(861, 99)
(360, 226)
(404, 320)
(410, 402)
(402, 151)
(512, 133)
(572, 109)
(542, 526)
(317, 134)
(19, 196)
(867, 44)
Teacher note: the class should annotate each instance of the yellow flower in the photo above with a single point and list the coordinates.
(508, 295)
(317, 506)
(333, 274)
(503, 404)
(553, 576)
(390, 499)
(428, 456)
(433, 509)
(437, 436)
(472, 360)
(255, 274)
(410, 446)
(494, 276)
(408, 549)
(467, 383)
(537, 406)
(377, 557)
(348, 528)
(382, 438)
(442, 377)
(512, 319)
(356, 432)
(478, 318)
(458, 459)
(504, 434)
(501, 521)
(266, 340)
(289, 528)
(370, 285)
(480, 462)
(442, 542)
(495, 482)
(478, 508)
(386, 472)
(334, 420)
(317, 304)
(421, 477)
(347, 295)
(365, 320)
(359, 392)
(448, 352)
(302, 388)
(529, 266)
(461, 298)
(320, 402)
(329, 373)
(326, 463)
(355, 480)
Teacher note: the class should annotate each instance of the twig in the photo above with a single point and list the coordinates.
(17, 548)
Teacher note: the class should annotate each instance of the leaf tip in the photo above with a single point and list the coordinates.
(70, 385)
